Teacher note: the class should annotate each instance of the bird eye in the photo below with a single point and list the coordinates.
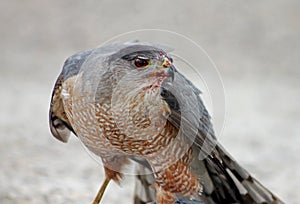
(141, 62)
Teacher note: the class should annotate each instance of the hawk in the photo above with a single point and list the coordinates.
(128, 102)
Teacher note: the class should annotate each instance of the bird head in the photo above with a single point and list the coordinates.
(142, 67)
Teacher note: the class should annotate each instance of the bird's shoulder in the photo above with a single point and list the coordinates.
(59, 123)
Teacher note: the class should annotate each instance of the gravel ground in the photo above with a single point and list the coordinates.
(255, 46)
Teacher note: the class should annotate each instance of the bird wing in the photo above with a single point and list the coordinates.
(188, 112)
(60, 126)
(224, 180)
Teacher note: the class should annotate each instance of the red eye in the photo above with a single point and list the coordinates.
(141, 62)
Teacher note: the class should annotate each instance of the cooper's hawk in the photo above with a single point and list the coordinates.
(128, 102)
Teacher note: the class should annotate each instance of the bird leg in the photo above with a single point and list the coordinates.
(101, 190)
(110, 175)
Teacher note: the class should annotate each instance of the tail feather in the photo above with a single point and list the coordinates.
(143, 193)
(223, 179)
(232, 183)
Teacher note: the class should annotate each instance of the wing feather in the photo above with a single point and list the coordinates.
(60, 126)
(224, 180)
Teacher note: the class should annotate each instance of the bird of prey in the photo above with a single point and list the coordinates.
(128, 102)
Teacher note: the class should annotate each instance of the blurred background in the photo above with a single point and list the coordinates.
(255, 46)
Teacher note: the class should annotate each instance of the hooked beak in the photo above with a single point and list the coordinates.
(166, 69)
(167, 72)
(169, 68)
